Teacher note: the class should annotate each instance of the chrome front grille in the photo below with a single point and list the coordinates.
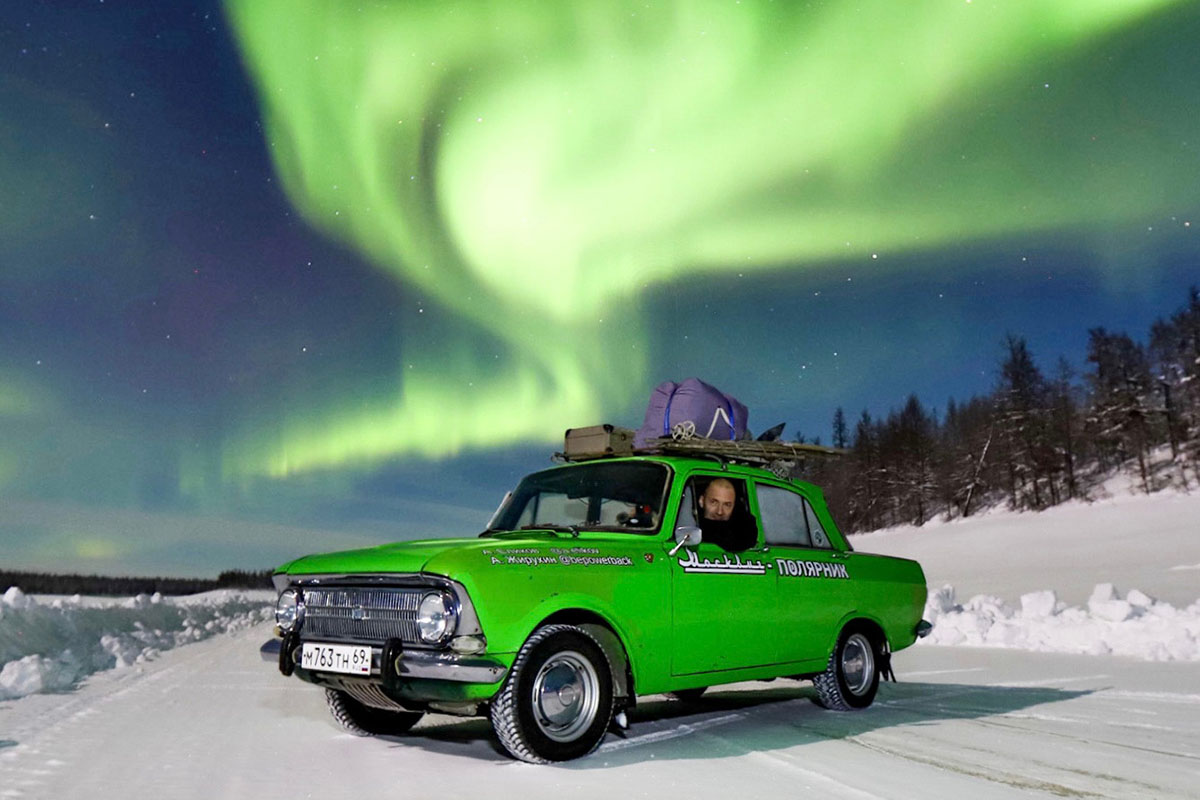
(360, 614)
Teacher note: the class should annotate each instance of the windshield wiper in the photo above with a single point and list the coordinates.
(553, 526)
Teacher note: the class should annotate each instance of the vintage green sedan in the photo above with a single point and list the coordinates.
(595, 583)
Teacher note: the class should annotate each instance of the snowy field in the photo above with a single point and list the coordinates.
(987, 710)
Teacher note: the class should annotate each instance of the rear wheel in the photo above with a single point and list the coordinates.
(363, 720)
(851, 678)
(558, 700)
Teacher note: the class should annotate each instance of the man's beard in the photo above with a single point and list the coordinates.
(716, 528)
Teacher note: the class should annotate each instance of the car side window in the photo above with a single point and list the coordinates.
(783, 517)
(721, 511)
(819, 539)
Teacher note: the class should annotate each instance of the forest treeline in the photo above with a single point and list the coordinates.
(1038, 439)
(46, 583)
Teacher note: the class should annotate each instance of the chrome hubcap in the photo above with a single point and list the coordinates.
(858, 663)
(566, 694)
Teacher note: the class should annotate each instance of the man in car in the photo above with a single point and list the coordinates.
(722, 521)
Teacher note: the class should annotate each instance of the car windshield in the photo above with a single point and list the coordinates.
(616, 496)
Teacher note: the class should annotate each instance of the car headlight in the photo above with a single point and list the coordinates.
(289, 610)
(436, 617)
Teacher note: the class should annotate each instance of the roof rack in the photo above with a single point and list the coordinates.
(747, 452)
(609, 441)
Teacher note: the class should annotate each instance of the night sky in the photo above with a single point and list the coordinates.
(280, 276)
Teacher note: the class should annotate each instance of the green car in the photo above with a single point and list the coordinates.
(597, 582)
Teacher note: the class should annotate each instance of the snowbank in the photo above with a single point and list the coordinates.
(1137, 626)
(49, 645)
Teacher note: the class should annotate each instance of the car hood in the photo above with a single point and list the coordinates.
(405, 557)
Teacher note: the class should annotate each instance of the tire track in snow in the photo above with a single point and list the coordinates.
(683, 729)
(1014, 780)
(988, 717)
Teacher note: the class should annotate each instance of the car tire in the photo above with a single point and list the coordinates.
(362, 720)
(557, 702)
(688, 695)
(851, 678)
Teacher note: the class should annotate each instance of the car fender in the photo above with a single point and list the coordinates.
(589, 613)
(857, 616)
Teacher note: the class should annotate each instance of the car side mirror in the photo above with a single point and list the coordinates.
(686, 535)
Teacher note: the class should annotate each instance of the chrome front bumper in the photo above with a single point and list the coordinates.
(418, 664)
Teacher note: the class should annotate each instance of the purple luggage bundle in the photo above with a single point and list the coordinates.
(697, 408)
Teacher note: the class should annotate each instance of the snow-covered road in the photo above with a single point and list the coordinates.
(211, 720)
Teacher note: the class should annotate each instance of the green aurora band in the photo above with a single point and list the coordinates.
(532, 167)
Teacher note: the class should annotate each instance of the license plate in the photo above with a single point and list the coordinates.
(346, 658)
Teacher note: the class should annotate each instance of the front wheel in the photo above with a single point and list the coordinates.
(851, 678)
(363, 720)
(557, 702)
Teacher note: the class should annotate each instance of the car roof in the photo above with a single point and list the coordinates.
(685, 464)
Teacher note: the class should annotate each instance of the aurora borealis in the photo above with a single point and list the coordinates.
(353, 268)
(637, 145)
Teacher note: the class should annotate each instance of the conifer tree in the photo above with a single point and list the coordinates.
(1063, 433)
(1120, 385)
(840, 434)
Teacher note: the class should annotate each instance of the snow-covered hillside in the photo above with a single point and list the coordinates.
(1121, 576)
(1149, 542)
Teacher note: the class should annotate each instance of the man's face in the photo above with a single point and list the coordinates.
(717, 501)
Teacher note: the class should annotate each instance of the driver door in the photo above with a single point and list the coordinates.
(723, 603)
